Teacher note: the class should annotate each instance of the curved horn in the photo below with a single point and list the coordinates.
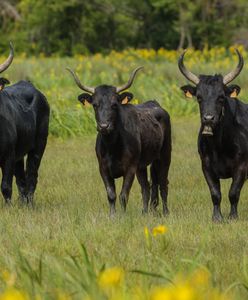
(79, 84)
(189, 75)
(4, 66)
(130, 81)
(233, 74)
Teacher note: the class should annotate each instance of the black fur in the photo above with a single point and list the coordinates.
(130, 138)
(24, 118)
(225, 153)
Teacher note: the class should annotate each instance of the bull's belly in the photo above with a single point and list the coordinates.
(149, 155)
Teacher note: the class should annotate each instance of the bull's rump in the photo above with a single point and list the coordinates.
(21, 111)
(152, 126)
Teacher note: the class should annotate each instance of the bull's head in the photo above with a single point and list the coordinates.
(106, 101)
(4, 66)
(211, 93)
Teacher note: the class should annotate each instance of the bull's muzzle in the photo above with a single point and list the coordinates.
(207, 130)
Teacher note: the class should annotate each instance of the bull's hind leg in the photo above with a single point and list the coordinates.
(145, 187)
(154, 186)
(34, 159)
(163, 187)
(159, 174)
(8, 169)
(21, 179)
(234, 193)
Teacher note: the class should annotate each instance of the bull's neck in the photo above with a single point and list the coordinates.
(110, 139)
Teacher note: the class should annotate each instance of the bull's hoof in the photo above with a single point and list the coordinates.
(112, 212)
(166, 212)
(144, 211)
(233, 216)
(8, 203)
(217, 218)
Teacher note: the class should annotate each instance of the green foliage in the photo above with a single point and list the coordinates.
(66, 27)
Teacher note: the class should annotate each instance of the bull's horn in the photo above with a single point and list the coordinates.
(4, 66)
(233, 74)
(189, 75)
(79, 84)
(130, 81)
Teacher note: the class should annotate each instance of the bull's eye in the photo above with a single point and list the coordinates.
(199, 99)
(95, 106)
(114, 106)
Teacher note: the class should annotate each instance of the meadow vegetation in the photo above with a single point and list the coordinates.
(160, 80)
(67, 247)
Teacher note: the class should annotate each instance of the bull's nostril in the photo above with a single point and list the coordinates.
(208, 117)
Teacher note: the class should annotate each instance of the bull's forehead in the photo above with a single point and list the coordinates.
(210, 85)
(105, 94)
(105, 90)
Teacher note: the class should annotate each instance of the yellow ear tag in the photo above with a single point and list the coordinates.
(86, 103)
(188, 94)
(124, 101)
(1, 87)
(234, 94)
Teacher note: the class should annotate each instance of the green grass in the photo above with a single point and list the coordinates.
(71, 208)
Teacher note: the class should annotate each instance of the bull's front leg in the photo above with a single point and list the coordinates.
(234, 192)
(126, 186)
(214, 187)
(110, 188)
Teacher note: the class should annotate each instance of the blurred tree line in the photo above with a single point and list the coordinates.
(67, 27)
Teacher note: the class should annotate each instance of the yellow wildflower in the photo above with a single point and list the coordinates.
(162, 293)
(111, 277)
(13, 294)
(161, 229)
(146, 231)
(8, 278)
(201, 277)
(184, 292)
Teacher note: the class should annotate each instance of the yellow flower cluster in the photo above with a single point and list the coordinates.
(111, 277)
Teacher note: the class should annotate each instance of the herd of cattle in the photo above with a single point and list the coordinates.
(130, 137)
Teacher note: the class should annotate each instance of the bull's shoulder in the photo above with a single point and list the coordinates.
(239, 111)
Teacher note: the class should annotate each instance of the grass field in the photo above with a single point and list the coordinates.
(67, 247)
(37, 245)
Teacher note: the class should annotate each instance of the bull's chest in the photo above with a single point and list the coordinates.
(221, 161)
(115, 165)
(223, 166)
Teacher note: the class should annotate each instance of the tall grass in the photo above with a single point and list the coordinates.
(160, 80)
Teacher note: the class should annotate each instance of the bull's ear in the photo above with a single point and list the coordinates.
(232, 90)
(189, 90)
(3, 82)
(85, 98)
(125, 97)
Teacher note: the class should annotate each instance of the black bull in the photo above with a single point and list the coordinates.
(223, 136)
(130, 138)
(24, 118)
